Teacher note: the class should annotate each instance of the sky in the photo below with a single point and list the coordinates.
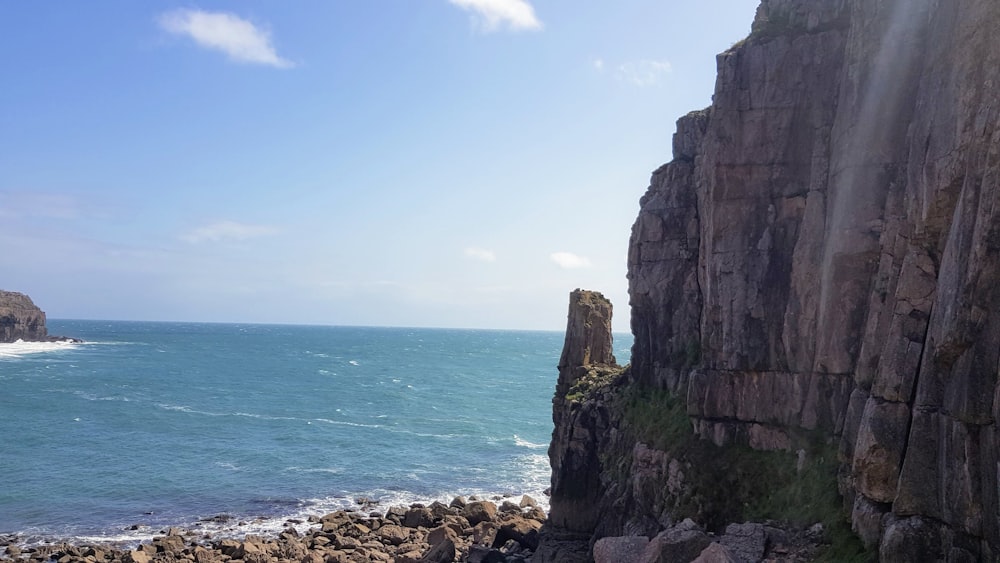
(425, 163)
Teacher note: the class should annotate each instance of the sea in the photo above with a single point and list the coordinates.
(233, 429)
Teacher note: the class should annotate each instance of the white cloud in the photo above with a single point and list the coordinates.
(481, 254)
(569, 261)
(492, 14)
(599, 65)
(225, 32)
(644, 72)
(223, 231)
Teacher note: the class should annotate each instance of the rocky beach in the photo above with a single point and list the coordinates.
(465, 530)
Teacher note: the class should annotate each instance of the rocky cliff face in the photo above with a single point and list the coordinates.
(20, 319)
(821, 261)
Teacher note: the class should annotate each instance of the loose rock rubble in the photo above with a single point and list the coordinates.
(476, 531)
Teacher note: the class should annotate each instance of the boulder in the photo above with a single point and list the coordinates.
(443, 552)
(522, 530)
(718, 553)
(418, 517)
(619, 549)
(392, 534)
(745, 542)
(508, 506)
(479, 511)
(479, 554)
(682, 542)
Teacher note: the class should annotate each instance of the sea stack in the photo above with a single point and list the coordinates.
(20, 318)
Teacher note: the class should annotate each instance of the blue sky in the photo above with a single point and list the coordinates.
(448, 163)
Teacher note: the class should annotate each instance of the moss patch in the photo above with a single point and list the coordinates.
(597, 377)
(737, 483)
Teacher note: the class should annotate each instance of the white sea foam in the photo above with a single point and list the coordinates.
(21, 348)
(377, 501)
(518, 441)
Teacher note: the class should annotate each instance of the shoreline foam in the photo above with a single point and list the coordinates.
(507, 525)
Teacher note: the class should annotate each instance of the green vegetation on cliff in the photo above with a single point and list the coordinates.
(736, 483)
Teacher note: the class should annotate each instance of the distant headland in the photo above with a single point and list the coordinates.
(21, 319)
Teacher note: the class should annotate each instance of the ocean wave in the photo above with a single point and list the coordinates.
(91, 397)
(273, 515)
(518, 441)
(345, 423)
(20, 348)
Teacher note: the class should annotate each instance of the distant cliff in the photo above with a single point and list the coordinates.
(20, 319)
(817, 271)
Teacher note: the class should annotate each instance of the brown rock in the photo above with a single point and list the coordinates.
(418, 517)
(442, 552)
(479, 511)
(522, 530)
(392, 534)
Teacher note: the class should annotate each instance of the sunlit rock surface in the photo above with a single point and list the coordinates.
(823, 255)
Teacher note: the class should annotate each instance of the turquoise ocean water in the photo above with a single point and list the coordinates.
(149, 425)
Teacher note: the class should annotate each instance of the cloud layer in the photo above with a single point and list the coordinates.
(517, 15)
(481, 254)
(569, 261)
(221, 31)
(644, 72)
(227, 231)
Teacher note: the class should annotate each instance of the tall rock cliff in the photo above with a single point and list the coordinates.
(820, 262)
(20, 319)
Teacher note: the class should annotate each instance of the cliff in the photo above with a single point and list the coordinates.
(816, 273)
(20, 319)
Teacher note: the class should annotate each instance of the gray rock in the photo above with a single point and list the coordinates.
(619, 549)
(681, 543)
(718, 553)
(744, 542)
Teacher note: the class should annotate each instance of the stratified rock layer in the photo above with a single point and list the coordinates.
(20, 319)
(823, 255)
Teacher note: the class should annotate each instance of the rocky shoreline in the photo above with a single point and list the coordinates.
(470, 530)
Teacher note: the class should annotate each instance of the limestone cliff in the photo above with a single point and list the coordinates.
(20, 319)
(821, 262)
